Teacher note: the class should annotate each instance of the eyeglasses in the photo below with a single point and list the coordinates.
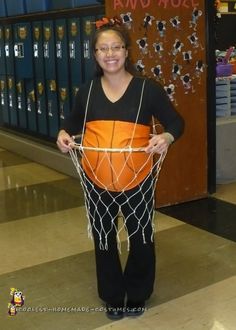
(105, 49)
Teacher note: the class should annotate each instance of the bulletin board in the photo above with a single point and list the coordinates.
(168, 44)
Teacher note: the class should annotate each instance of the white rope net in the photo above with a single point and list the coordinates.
(107, 191)
(117, 182)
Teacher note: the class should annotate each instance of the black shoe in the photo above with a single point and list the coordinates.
(115, 311)
(135, 308)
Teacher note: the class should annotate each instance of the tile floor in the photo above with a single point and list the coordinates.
(45, 253)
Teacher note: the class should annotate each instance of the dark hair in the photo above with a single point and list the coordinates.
(124, 35)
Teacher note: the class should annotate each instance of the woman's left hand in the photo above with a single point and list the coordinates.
(159, 143)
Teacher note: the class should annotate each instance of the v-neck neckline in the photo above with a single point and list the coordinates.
(122, 96)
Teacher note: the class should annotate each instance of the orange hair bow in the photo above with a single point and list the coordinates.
(102, 22)
(105, 21)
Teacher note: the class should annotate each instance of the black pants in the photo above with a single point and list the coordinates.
(137, 279)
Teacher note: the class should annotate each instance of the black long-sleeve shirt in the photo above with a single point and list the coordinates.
(120, 125)
(155, 103)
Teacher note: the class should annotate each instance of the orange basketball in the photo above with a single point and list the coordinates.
(116, 171)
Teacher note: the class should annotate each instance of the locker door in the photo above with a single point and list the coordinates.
(23, 58)
(10, 74)
(75, 65)
(3, 83)
(5, 116)
(40, 88)
(62, 64)
(87, 29)
(50, 77)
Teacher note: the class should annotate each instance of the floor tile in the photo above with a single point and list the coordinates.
(53, 236)
(211, 214)
(13, 177)
(226, 192)
(36, 199)
(43, 238)
(10, 159)
(211, 308)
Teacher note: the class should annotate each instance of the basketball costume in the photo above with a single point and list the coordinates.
(121, 124)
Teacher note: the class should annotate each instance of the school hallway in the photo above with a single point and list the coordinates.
(45, 253)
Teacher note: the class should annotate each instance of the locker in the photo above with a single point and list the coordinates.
(31, 104)
(88, 63)
(23, 50)
(38, 62)
(79, 3)
(10, 75)
(49, 54)
(3, 83)
(2, 53)
(12, 104)
(38, 59)
(15, 7)
(61, 44)
(75, 65)
(33, 6)
(4, 100)
(64, 100)
(3, 12)
(23, 61)
(62, 4)
(21, 103)
(9, 50)
(62, 60)
(41, 108)
(52, 107)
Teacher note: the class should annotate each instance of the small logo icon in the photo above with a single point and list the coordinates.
(12, 309)
(17, 300)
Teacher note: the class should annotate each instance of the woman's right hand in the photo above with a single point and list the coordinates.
(64, 140)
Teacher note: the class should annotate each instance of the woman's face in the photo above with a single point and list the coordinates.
(110, 52)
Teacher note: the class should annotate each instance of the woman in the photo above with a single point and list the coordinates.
(114, 107)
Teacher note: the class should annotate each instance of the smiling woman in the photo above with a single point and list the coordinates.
(115, 41)
(113, 112)
(111, 54)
